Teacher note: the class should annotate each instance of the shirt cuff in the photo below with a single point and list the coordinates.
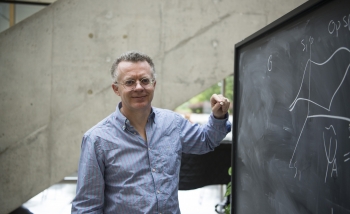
(219, 124)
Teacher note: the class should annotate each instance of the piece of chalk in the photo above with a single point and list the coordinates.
(221, 103)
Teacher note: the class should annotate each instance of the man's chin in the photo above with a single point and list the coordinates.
(141, 105)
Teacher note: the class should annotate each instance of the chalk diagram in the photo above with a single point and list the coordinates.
(330, 142)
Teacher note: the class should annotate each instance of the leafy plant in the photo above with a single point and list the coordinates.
(205, 95)
(228, 193)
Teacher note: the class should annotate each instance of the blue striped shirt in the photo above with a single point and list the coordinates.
(121, 173)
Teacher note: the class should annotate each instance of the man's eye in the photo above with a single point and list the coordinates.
(145, 81)
(129, 82)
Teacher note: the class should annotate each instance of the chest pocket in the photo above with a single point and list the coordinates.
(170, 151)
(106, 146)
(167, 140)
(109, 152)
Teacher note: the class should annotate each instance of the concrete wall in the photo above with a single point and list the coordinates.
(55, 81)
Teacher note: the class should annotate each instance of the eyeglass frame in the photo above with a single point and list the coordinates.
(152, 81)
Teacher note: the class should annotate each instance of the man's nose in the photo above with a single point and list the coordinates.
(138, 85)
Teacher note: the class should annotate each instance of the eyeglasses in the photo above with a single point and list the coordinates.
(146, 83)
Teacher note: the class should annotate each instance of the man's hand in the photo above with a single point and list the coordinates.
(219, 105)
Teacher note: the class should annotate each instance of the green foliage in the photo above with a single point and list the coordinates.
(215, 89)
(228, 192)
(205, 95)
(227, 210)
(228, 189)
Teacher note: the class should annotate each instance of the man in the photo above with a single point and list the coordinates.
(130, 161)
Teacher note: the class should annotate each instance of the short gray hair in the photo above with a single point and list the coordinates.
(131, 56)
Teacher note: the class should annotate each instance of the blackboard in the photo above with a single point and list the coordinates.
(291, 152)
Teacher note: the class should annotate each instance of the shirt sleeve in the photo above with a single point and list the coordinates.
(90, 186)
(200, 139)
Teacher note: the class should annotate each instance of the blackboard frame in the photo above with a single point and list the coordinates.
(284, 20)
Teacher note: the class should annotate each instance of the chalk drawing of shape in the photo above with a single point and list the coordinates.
(320, 94)
(330, 146)
(325, 91)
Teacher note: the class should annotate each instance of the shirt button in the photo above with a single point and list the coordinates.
(153, 170)
(158, 191)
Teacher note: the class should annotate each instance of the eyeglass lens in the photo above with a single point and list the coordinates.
(144, 82)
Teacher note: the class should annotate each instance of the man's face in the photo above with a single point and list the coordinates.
(140, 97)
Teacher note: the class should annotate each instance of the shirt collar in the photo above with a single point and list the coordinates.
(125, 123)
(151, 117)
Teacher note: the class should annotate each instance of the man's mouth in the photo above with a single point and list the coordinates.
(139, 96)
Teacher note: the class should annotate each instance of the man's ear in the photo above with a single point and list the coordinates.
(115, 89)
